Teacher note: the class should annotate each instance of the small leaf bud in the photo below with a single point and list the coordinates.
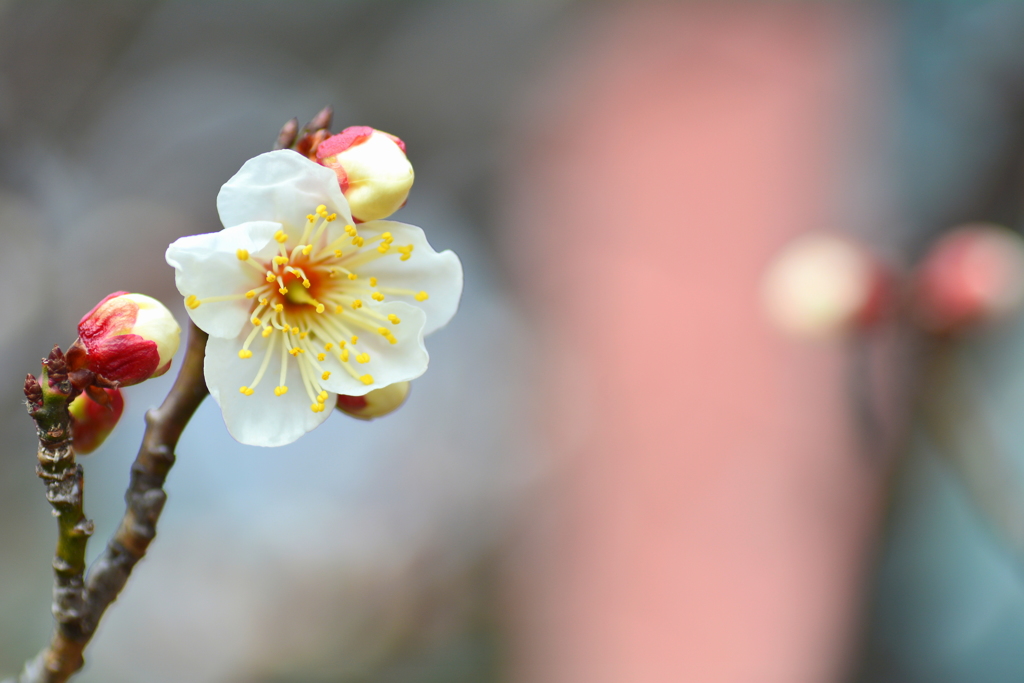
(92, 422)
(377, 403)
(373, 171)
(129, 338)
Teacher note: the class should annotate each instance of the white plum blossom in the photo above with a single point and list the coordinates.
(301, 304)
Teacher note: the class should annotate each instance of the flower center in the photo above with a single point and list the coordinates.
(311, 300)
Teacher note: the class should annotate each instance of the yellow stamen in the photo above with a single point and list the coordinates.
(242, 254)
(422, 296)
(394, 318)
(363, 358)
(251, 294)
(245, 391)
(327, 374)
(377, 296)
(280, 390)
(245, 353)
(366, 379)
(353, 276)
(281, 236)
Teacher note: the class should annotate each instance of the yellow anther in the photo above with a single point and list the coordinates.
(263, 301)
(333, 217)
(357, 304)
(383, 248)
(394, 318)
(321, 357)
(303, 335)
(280, 261)
(366, 379)
(270, 276)
(339, 308)
(363, 358)
(337, 253)
(245, 353)
(355, 338)
(278, 307)
(321, 209)
(256, 321)
(373, 282)
(267, 331)
(307, 250)
(344, 355)
(353, 276)
(391, 339)
(242, 254)
(316, 407)
(281, 236)
(310, 217)
(246, 391)
(320, 308)
(422, 296)
(306, 283)
(280, 391)
(406, 252)
(387, 237)
(251, 294)
(383, 330)
(295, 330)
(296, 351)
(350, 230)
(377, 296)
(328, 347)
(358, 241)
(283, 290)
(322, 396)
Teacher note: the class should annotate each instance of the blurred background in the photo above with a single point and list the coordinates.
(616, 468)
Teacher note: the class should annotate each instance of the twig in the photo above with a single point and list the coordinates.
(48, 405)
(78, 608)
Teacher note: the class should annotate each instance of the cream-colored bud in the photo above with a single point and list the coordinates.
(377, 403)
(821, 285)
(373, 171)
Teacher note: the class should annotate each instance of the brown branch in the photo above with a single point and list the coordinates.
(145, 496)
(78, 606)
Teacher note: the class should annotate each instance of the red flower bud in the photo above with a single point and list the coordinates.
(91, 422)
(973, 275)
(129, 338)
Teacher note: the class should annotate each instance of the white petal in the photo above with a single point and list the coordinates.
(207, 265)
(262, 419)
(438, 274)
(281, 186)
(389, 363)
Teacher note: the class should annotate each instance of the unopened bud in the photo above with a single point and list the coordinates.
(372, 169)
(92, 422)
(822, 285)
(973, 275)
(129, 338)
(377, 403)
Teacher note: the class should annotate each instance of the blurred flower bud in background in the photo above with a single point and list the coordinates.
(92, 423)
(973, 275)
(129, 338)
(377, 403)
(373, 171)
(822, 285)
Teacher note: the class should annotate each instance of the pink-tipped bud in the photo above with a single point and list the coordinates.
(823, 285)
(973, 275)
(129, 338)
(377, 403)
(373, 171)
(91, 422)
